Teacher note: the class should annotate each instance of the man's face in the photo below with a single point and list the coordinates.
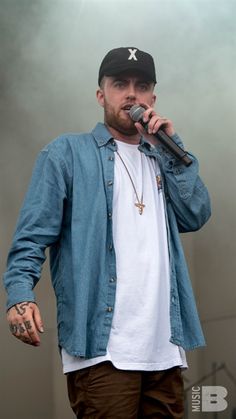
(118, 94)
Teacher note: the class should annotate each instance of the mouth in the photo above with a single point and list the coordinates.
(127, 108)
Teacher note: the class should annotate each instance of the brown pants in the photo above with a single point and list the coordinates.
(104, 392)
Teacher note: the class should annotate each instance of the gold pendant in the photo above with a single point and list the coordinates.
(140, 207)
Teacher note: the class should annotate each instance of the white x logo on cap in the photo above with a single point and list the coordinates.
(132, 54)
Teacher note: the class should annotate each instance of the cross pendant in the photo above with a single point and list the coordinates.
(140, 207)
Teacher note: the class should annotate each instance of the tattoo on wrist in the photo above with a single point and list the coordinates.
(21, 308)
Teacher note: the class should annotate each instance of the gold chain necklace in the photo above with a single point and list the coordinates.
(140, 205)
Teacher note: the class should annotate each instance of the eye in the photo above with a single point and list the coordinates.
(143, 87)
(119, 84)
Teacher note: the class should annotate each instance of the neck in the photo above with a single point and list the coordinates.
(130, 139)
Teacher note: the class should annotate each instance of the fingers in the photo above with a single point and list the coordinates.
(19, 330)
(38, 320)
(25, 322)
(155, 122)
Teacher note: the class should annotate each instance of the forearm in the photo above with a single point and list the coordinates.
(185, 190)
(23, 272)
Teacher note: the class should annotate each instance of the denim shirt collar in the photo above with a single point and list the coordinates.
(103, 136)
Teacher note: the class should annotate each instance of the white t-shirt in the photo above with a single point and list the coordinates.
(140, 331)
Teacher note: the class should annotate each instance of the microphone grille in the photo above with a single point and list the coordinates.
(136, 112)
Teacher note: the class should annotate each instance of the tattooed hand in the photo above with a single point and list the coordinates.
(25, 322)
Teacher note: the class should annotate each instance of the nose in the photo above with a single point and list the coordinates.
(131, 96)
(131, 91)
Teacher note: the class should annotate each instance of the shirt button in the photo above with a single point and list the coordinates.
(110, 183)
(111, 158)
(112, 279)
(177, 171)
(109, 309)
(173, 299)
(111, 246)
(109, 214)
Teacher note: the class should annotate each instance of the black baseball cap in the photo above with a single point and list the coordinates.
(123, 59)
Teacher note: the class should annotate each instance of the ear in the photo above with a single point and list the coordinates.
(100, 97)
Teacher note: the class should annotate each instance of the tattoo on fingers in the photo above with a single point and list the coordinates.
(18, 330)
(21, 329)
(14, 328)
(26, 340)
(28, 325)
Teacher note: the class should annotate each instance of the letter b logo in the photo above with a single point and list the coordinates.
(213, 398)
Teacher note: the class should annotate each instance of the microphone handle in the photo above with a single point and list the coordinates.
(173, 147)
(170, 145)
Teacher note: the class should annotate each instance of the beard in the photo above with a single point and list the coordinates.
(119, 120)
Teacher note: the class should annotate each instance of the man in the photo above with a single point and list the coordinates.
(110, 204)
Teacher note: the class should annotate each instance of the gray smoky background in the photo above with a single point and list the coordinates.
(50, 55)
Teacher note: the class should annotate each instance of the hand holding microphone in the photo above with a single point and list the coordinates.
(137, 112)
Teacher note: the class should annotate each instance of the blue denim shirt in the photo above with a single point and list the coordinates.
(68, 207)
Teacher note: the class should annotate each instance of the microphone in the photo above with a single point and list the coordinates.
(136, 114)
